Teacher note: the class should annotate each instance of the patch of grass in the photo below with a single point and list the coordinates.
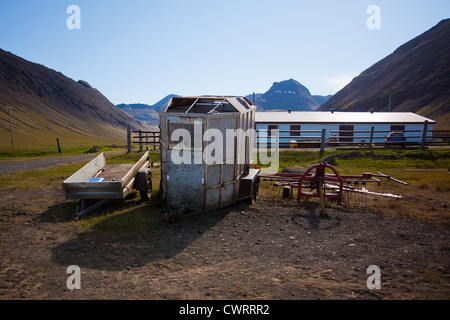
(38, 179)
(130, 218)
(21, 153)
(246, 293)
(431, 276)
(386, 159)
(139, 219)
(13, 154)
(132, 157)
(41, 179)
(363, 158)
(425, 198)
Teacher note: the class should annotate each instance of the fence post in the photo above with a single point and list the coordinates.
(140, 140)
(322, 141)
(424, 134)
(59, 146)
(128, 139)
(371, 138)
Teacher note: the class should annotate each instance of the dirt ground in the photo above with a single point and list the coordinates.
(269, 250)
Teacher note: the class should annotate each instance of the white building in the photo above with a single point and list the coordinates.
(347, 127)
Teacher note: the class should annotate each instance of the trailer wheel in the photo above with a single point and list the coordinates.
(144, 184)
(146, 194)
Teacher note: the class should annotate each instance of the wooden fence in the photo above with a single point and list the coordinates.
(318, 138)
(145, 139)
(368, 139)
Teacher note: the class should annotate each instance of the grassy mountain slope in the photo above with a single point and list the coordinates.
(416, 76)
(48, 105)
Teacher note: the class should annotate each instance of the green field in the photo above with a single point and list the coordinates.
(349, 159)
(425, 171)
(424, 198)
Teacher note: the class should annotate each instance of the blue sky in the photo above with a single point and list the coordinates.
(140, 51)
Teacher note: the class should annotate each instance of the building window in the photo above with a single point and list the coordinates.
(346, 133)
(270, 128)
(295, 130)
(397, 128)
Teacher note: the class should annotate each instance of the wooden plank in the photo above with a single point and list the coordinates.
(192, 105)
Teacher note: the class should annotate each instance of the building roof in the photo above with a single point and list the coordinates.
(340, 117)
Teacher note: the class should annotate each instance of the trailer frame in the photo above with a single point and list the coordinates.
(82, 185)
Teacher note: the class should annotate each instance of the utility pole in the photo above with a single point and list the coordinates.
(10, 125)
(390, 96)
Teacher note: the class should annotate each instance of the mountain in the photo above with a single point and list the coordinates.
(134, 106)
(163, 101)
(154, 107)
(288, 94)
(416, 76)
(48, 105)
(255, 96)
(145, 113)
(321, 99)
(284, 95)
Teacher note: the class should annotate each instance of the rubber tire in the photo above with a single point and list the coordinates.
(146, 194)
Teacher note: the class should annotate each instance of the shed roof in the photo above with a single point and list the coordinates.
(340, 117)
(207, 104)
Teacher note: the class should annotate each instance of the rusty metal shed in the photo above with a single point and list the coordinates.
(196, 184)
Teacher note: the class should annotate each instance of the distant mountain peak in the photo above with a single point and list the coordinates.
(287, 94)
(290, 86)
(282, 95)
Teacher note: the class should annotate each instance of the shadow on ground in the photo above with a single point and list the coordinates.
(309, 218)
(133, 237)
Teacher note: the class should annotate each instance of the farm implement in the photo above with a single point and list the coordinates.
(324, 181)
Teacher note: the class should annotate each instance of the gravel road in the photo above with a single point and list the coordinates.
(7, 167)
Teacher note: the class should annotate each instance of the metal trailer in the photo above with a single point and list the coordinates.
(102, 182)
(196, 185)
